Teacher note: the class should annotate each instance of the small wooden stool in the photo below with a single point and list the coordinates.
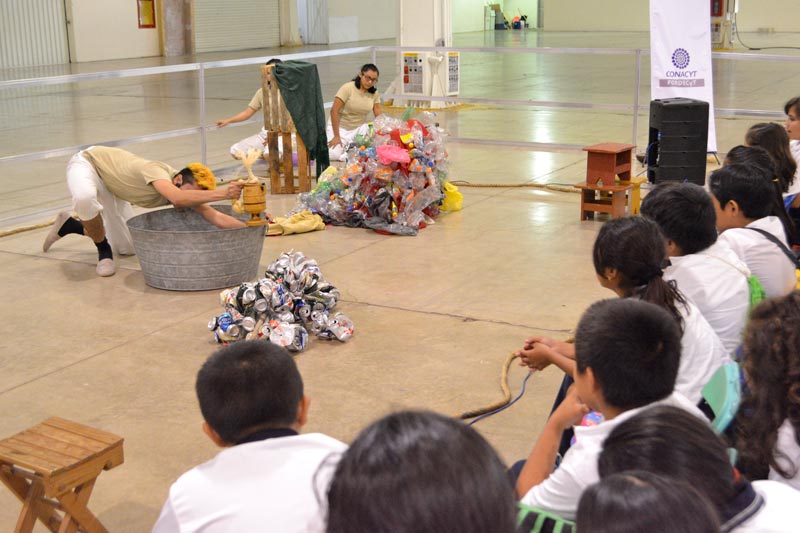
(613, 203)
(278, 122)
(52, 468)
(606, 161)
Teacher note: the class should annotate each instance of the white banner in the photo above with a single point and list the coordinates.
(680, 54)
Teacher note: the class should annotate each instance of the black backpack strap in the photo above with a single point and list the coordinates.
(783, 247)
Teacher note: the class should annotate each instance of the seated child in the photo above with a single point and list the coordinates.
(636, 501)
(752, 220)
(420, 472)
(251, 397)
(774, 140)
(707, 272)
(670, 442)
(628, 257)
(792, 110)
(627, 354)
(769, 421)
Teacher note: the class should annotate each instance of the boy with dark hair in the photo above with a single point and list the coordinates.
(707, 271)
(251, 397)
(627, 354)
(669, 442)
(752, 221)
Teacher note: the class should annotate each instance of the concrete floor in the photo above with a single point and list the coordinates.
(435, 315)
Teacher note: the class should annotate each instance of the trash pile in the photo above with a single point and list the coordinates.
(393, 181)
(290, 303)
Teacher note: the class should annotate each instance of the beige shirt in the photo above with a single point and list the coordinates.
(129, 176)
(257, 102)
(357, 105)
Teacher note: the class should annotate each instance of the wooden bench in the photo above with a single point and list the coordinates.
(52, 468)
(278, 123)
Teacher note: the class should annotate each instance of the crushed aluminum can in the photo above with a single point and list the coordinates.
(300, 339)
(248, 295)
(248, 323)
(261, 305)
(341, 326)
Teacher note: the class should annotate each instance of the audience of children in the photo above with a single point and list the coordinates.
(672, 443)
(707, 271)
(635, 501)
(641, 361)
(251, 397)
(754, 224)
(420, 472)
(769, 418)
(627, 354)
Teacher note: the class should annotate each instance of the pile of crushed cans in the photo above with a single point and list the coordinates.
(392, 181)
(290, 303)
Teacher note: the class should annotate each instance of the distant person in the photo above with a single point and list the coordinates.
(105, 181)
(353, 103)
(420, 472)
(266, 477)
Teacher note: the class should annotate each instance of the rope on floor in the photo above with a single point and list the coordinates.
(25, 228)
(503, 386)
(548, 186)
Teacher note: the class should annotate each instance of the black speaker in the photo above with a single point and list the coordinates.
(678, 141)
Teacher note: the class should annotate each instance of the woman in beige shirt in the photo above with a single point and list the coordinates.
(352, 104)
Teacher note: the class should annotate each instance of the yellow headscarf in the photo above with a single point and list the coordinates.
(203, 176)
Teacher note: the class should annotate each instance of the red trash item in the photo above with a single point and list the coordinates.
(388, 154)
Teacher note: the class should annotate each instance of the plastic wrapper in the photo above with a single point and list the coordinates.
(395, 173)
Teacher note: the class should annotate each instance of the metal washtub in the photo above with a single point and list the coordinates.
(181, 251)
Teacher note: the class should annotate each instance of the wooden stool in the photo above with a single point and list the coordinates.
(613, 203)
(278, 122)
(52, 468)
(606, 161)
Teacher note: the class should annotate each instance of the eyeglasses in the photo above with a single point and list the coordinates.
(370, 78)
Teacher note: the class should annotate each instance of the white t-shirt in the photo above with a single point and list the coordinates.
(561, 491)
(779, 514)
(794, 187)
(715, 280)
(702, 353)
(788, 446)
(267, 485)
(765, 259)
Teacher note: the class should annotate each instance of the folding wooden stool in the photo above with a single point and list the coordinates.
(278, 122)
(52, 468)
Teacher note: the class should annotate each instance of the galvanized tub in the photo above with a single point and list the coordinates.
(180, 251)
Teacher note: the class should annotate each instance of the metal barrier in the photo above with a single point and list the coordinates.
(634, 107)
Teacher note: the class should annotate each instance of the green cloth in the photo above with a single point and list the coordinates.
(302, 94)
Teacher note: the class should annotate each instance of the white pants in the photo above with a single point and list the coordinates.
(337, 153)
(91, 197)
(255, 141)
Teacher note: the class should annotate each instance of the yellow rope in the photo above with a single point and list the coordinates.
(25, 228)
(548, 186)
(503, 386)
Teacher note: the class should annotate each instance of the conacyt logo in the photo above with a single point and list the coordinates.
(680, 58)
